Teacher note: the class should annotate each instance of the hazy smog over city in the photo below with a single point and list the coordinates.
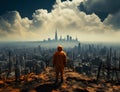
(36, 20)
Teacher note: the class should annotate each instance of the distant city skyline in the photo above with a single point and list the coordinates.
(89, 20)
(66, 41)
(60, 38)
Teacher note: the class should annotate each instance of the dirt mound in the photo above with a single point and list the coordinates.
(44, 82)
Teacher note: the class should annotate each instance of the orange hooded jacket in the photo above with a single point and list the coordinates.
(59, 59)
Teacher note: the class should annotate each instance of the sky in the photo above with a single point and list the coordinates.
(35, 20)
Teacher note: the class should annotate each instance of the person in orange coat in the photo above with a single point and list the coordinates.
(59, 61)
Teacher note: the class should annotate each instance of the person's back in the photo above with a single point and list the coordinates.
(59, 58)
(59, 61)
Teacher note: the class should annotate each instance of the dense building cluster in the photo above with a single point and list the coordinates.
(83, 58)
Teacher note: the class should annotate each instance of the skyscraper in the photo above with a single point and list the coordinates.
(56, 36)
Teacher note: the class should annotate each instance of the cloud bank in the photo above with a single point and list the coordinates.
(106, 10)
(66, 17)
(101, 7)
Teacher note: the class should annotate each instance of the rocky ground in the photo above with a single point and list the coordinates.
(44, 82)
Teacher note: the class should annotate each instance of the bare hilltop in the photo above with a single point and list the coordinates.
(44, 82)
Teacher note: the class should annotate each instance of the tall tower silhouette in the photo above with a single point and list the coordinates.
(56, 36)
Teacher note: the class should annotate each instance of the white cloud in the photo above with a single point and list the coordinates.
(65, 17)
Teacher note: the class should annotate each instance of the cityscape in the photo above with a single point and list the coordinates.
(94, 60)
(66, 42)
(37, 35)
(85, 56)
